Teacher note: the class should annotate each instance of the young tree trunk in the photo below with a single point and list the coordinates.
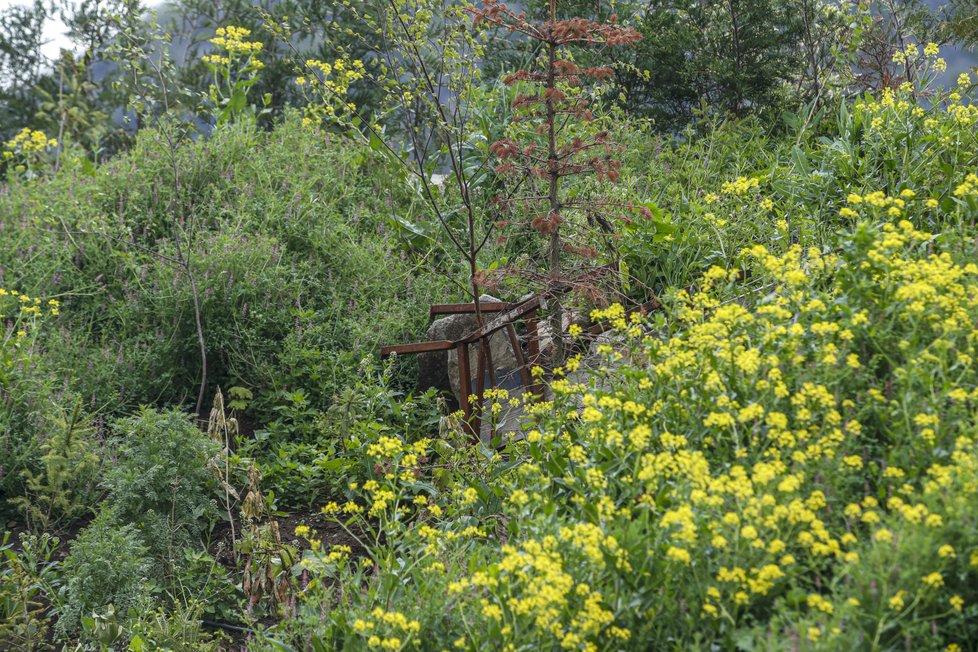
(553, 249)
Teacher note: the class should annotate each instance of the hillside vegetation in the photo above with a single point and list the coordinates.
(200, 448)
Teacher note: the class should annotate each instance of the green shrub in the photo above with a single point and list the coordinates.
(25, 393)
(28, 574)
(306, 455)
(108, 566)
(179, 629)
(66, 487)
(162, 483)
(294, 246)
(296, 252)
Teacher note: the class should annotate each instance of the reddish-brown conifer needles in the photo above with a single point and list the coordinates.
(549, 93)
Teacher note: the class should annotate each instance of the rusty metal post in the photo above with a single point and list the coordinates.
(465, 383)
(533, 347)
(480, 389)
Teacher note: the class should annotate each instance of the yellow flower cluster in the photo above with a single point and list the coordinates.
(331, 84)
(27, 143)
(531, 587)
(385, 447)
(894, 206)
(912, 51)
(26, 306)
(335, 77)
(384, 629)
(740, 186)
(20, 316)
(896, 109)
(968, 188)
(963, 114)
(233, 40)
(231, 45)
(615, 314)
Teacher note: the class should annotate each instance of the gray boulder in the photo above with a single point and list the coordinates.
(440, 369)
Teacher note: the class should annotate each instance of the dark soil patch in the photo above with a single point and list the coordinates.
(326, 531)
(322, 529)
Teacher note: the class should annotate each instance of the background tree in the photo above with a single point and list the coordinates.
(87, 107)
(890, 26)
(735, 56)
(961, 22)
(21, 64)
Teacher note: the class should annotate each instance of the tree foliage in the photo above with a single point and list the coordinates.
(551, 142)
(21, 64)
(961, 21)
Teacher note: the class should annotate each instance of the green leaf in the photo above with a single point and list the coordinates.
(411, 227)
(376, 143)
(800, 161)
(239, 100)
(330, 465)
(623, 275)
(744, 640)
(665, 228)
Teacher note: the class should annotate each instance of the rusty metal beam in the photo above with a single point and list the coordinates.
(417, 347)
(507, 317)
(467, 308)
(509, 313)
(533, 349)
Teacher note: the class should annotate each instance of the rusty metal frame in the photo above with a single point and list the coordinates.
(480, 337)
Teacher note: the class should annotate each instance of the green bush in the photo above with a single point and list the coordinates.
(300, 264)
(294, 244)
(307, 456)
(163, 483)
(25, 393)
(28, 575)
(108, 566)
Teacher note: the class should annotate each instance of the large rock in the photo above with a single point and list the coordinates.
(545, 333)
(440, 369)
